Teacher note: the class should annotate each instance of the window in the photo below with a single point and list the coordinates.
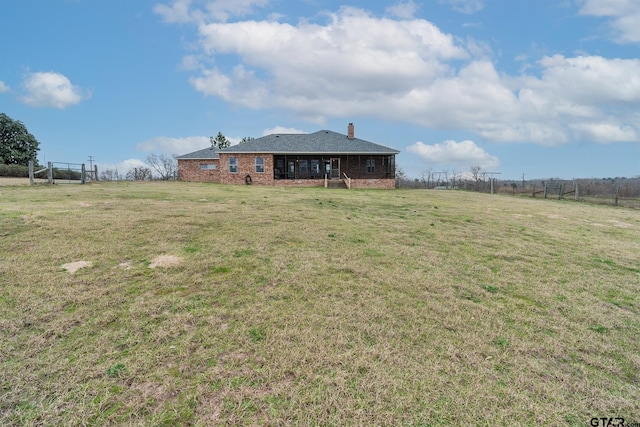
(208, 166)
(259, 164)
(303, 167)
(315, 167)
(292, 170)
(233, 165)
(371, 165)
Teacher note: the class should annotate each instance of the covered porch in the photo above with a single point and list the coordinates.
(333, 167)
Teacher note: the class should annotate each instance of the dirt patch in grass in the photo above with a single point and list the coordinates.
(620, 223)
(165, 261)
(72, 267)
(126, 265)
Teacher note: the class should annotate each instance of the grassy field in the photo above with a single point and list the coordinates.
(314, 307)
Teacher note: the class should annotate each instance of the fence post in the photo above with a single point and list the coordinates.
(545, 190)
(576, 191)
(31, 177)
(95, 172)
(534, 190)
(617, 194)
(560, 191)
(83, 171)
(50, 172)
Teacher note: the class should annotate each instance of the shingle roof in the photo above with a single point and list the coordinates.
(209, 153)
(321, 142)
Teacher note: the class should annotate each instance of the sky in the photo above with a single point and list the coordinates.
(525, 88)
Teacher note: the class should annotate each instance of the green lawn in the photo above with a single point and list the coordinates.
(314, 307)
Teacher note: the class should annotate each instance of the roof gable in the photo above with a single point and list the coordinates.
(209, 153)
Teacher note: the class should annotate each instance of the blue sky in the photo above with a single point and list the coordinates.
(536, 87)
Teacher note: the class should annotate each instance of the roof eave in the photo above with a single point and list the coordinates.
(314, 153)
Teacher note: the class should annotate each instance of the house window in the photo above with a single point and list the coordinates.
(303, 167)
(208, 166)
(259, 164)
(233, 165)
(371, 165)
(315, 167)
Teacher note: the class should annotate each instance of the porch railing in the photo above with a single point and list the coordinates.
(347, 181)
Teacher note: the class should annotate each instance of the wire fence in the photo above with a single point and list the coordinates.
(6, 181)
(623, 192)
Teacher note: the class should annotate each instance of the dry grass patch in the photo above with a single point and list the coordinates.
(314, 306)
(72, 267)
(165, 261)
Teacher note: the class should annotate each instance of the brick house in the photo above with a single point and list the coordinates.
(323, 158)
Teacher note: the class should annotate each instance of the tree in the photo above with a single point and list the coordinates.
(164, 166)
(139, 174)
(475, 172)
(17, 145)
(220, 141)
(110, 175)
(426, 181)
(400, 177)
(478, 175)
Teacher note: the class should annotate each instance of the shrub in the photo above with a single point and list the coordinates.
(16, 171)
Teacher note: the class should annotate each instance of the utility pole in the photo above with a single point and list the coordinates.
(93, 178)
(492, 179)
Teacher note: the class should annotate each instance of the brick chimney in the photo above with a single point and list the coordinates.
(350, 131)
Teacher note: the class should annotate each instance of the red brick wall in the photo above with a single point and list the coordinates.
(189, 170)
(387, 184)
(299, 182)
(246, 166)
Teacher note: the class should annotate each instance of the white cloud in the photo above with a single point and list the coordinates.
(407, 70)
(178, 12)
(605, 132)
(281, 130)
(184, 11)
(462, 154)
(324, 70)
(465, 6)
(51, 90)
(241, 88)
(624, 16)
(224, 9)
(190, 63)
(172, 146)
(403, 10)
(3, 87)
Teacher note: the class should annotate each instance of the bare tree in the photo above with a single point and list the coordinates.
(139, 174)
(454, 175)
(400, 177)
(478, 175)
(110, 175)
(427, 181)
(475, 172)
(165, 167)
